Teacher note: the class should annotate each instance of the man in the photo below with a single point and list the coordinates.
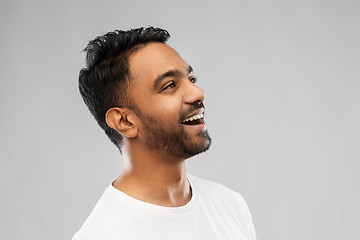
(145, 97)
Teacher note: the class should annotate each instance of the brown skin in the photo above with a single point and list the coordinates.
(156, 175)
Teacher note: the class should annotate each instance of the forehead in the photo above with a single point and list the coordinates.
(147, 63)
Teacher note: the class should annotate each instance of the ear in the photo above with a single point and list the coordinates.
(122, 120)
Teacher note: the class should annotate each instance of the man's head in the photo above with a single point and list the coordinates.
(105, 81)
(138, 87)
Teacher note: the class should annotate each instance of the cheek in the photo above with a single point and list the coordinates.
(158, 106)
(167, 109)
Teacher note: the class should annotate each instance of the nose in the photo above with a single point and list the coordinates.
(193, 93)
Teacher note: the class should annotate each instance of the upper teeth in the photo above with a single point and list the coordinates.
(195, 117)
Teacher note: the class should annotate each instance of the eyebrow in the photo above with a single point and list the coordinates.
(171, 73)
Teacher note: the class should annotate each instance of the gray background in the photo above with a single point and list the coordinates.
(283, 98)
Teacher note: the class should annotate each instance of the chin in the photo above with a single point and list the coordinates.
(200, 149)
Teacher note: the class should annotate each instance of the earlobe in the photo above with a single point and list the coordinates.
(120, 119)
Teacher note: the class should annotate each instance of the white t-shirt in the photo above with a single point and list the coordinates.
(214, 212)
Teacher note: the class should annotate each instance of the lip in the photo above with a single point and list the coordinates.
(199, 111)
(198, 126)
(202, 126)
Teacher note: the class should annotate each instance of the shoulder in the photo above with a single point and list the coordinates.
(217, 196)
(107, 215)
(228, 205)
(212, 188)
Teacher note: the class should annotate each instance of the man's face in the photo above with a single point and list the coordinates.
(165, 99)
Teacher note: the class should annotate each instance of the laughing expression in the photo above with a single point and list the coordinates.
(168, 104)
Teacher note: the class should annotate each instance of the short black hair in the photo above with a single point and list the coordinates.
(105, 80)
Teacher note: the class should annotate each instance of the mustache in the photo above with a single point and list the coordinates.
(193, 106)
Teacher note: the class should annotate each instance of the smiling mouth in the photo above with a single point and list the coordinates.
(197, 119)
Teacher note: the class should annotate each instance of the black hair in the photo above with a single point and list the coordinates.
(105, 80)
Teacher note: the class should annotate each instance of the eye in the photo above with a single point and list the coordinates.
(169, 86)
(193, 79)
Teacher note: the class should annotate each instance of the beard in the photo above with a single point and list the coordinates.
(172, 139)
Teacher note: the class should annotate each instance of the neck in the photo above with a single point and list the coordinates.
(155, 178)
